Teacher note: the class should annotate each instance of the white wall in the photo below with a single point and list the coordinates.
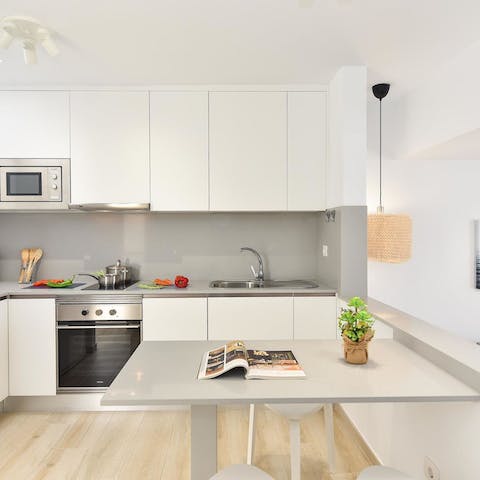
(436, 285)
(402, 435)
(441, 196)
(446, 108)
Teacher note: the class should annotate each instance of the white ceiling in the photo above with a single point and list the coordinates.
(149, 42)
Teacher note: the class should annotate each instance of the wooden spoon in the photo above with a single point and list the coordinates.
(34, 257)
(24, 255)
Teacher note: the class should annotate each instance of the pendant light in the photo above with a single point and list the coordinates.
(389, 236)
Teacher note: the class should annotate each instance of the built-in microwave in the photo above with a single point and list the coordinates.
(31, 184)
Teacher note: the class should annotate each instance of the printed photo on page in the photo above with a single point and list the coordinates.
(257, 363)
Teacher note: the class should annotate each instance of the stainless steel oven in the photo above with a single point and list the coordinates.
(34, 183)
(96, 335)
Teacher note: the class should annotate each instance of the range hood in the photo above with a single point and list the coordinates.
(111, 207)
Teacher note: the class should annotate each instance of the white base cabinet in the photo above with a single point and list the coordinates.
(32, 352)
(314, 318)
(174, 319)
(3, 349)
(250, 318)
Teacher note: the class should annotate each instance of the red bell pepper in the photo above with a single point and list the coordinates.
(181, 281)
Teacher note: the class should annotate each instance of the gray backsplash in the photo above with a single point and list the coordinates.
(345, 234)
(199, 245)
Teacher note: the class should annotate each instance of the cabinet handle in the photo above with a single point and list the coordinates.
(90, 327)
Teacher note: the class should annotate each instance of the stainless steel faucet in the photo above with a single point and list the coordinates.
(260, 275)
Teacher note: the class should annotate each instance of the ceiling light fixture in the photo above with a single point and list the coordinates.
(30, 33)
(389, 236)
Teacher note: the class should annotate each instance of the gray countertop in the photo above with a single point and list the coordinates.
(165, 373)
(196, 288)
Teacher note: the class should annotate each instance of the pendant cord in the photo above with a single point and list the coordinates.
(380, 166)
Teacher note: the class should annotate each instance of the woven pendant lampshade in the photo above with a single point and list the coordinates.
(389, 236)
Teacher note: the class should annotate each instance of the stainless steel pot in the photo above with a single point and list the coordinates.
(107, 281)
(122, 271)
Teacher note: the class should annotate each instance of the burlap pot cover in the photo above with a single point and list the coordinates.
(356, 352)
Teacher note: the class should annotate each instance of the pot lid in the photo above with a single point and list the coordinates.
(117, 266)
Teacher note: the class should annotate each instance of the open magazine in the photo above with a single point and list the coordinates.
(257, 363)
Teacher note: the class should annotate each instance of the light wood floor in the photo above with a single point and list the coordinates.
(155, 445)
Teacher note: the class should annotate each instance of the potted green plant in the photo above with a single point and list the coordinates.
(355, 323)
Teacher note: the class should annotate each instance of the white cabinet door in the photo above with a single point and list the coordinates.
(315, 318)
(34, 125)
(32, 366)
(110, 147)
(248, 151)
(306, 150)
(3, 349)
(174, 319)
(179, 151)
(250, 318)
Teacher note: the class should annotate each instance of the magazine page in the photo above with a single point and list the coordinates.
(223, 359)
(273, 364)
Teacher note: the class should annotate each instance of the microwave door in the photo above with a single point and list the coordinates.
(23, 184)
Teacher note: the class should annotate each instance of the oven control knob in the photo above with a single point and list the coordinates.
(98, 312)
(54, 176)
(54, 186)
(84, 313)
(113, 311)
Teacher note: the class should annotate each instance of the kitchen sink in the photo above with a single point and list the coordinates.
(264, 284)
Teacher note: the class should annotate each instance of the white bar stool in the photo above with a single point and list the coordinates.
(379, 472)
(241, 472)
(294, 413)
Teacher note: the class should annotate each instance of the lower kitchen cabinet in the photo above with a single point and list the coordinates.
(174, 319)
(3, 349)
(250, 318)
(314, 318)
(32, 366)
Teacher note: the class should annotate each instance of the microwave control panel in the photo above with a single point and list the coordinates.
(54, 184)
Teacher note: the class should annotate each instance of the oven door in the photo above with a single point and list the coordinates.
(90, 354)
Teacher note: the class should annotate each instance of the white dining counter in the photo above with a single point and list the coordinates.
(162, 373)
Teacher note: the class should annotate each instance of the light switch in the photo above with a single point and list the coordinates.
(325, 250)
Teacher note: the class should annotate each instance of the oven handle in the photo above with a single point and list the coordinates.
(91, 327)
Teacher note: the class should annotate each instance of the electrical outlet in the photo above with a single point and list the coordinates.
(430, 470)
(325, 250)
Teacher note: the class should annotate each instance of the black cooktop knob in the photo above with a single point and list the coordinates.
(113, 311)
(84, 313)
(98, 312)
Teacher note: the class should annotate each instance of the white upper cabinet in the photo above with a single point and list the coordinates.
(306, 150)
(34, 125)
(110, 147)
(3, 349)
(31, 324)
(179, 151)
(248, 151)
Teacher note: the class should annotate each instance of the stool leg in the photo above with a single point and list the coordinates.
(330, 433)
(251, 434)
(295, 449)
